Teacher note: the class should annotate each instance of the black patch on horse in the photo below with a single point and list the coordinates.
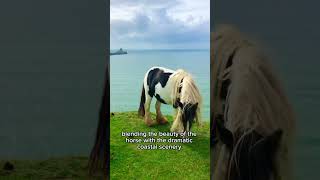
(177, 104)
(224, 134)
(230, 59)
(180, 87)
(227, 82)
(188, 114)
(141, 110)
(255, 155)
(160, 99)
(154, 77)
(224, 89)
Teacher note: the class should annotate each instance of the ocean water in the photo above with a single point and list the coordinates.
(50, 100)
(127, 73)
(300, 78)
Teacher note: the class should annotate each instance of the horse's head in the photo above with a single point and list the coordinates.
(189, 113)
(251, 156)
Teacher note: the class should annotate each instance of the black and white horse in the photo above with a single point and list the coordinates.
(176, 88)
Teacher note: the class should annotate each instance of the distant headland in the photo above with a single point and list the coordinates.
(119, 52)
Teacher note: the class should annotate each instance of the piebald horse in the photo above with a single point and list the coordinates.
(253, 123)
(176, 88)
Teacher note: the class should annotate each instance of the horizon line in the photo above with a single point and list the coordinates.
(162, 49)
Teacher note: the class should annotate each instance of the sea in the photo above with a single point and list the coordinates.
(127, 73)
(301, 82)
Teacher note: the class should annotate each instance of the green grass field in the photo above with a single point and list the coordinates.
(57, 168)
(128, 162)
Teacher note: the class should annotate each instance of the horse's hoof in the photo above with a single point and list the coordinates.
(149, 122)
(162, 121)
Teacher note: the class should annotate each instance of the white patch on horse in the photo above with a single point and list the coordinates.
(165, 92)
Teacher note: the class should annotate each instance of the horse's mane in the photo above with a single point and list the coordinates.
(189, 91)
(248, 94)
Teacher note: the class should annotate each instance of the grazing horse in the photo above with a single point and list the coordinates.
(176, 88)
(253, 123)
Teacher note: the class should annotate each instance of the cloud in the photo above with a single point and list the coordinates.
(160, 24)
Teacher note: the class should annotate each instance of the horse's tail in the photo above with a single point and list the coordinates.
(141, 110)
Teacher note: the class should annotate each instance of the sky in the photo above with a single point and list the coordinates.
(159, 24)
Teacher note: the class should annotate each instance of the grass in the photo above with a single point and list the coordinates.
(128, 162)
(56, 168)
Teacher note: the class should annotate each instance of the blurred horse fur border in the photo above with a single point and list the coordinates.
(253, 124)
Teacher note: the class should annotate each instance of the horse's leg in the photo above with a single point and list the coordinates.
(160, 118)
(177, 125)
(147, 116)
